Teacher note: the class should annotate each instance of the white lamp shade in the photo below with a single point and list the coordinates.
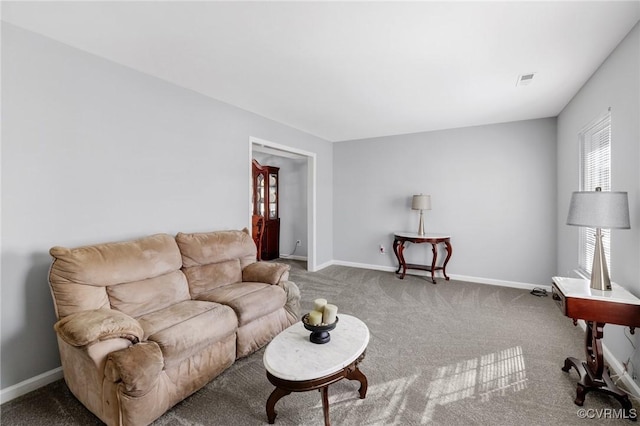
(599, 209)
(421, 202)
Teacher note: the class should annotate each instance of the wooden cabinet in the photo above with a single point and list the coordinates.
(266, 204)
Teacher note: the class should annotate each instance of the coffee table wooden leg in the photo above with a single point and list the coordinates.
(271, 403)
(325, 405)
(356, 374)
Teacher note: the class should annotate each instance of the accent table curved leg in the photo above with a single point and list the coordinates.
(403, 264)
(434, 250)
(271, 403)
(573, 362)
(581, 393)
(395, 251)
(449, 252)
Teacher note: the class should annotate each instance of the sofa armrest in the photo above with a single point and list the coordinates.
(138, 367)
(266, 272)
(82, 328)
(293, 300)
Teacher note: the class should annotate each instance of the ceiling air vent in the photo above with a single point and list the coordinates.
(525, 79)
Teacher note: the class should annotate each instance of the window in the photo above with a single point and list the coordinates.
(595, 170)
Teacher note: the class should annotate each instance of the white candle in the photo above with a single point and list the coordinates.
(329, 315)
(319, 304)
(314, 318)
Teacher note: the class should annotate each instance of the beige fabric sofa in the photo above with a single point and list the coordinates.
(143, 324)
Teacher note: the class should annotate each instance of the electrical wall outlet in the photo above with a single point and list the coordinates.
(298, 243)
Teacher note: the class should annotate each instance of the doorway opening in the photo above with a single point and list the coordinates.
(261, 146)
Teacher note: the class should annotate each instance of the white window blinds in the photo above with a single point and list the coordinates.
(595, 170)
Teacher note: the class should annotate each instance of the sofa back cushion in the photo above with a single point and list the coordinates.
(133, 276)
(207, 277)
(141, 297)
(214, 259)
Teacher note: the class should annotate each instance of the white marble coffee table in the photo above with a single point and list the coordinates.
(294, 364)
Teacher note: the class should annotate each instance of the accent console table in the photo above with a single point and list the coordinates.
(401, 238)
(577, 300)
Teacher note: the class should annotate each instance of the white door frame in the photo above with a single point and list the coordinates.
(311, 192)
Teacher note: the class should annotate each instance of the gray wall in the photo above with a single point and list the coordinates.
(492, 189)
(93, 151)
(293, 201)
(615, 84)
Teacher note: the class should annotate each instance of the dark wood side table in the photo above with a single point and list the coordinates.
(577, 300)
(401, 238)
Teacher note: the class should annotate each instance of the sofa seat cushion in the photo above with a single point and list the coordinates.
(184, 329)
(249, 300)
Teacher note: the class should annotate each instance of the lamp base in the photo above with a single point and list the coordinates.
(421, 225)
(599, 272)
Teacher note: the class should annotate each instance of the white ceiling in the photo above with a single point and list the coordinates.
(351, 70)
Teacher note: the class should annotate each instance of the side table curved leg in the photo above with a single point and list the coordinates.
(434, 251)
(398, 249)
(582, 373)
(271, 403)
(449, 252)
(395, 251)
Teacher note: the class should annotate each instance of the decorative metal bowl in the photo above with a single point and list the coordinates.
(319, 333)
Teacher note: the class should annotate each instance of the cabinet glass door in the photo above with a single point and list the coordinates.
(273, 196)
(260, 194)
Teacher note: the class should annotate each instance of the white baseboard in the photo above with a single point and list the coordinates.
(26, 386)
(293, 257)
(478, 280)
(501, 283)
(362, 265)
(628, 383)
(324, 265)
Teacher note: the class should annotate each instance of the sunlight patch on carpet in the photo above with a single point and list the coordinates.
(393, 393)
(489, 375)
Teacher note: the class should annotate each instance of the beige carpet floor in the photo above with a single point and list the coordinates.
(454, 353)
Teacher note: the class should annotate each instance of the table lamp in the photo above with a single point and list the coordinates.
(599, 209)
(421, 202)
